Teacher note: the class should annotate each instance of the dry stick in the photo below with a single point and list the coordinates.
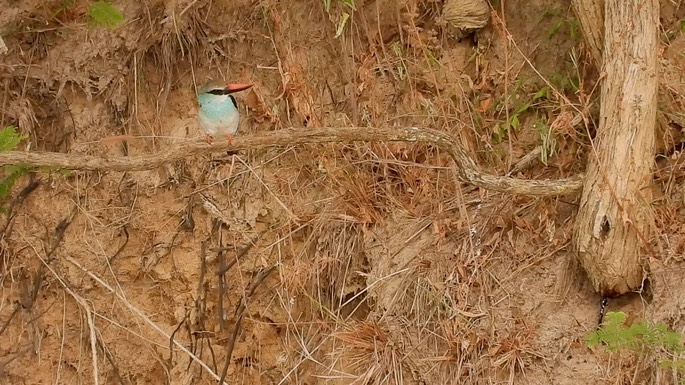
(28, 298)
(4, 326)
(172, 338)
(14, 356)
(17, 201)
(201, 288)
(239, 312)
(468, 170)
(139, 313)
(200, 305)
(221, 289)
(110, 359)
(223, 268)
(239, 254)
(60, 230)
(89, 316)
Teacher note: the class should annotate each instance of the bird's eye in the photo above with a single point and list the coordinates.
(219, 91)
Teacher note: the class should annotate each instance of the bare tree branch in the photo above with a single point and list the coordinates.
(468, 170)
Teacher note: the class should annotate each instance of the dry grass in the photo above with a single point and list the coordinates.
(389, 269)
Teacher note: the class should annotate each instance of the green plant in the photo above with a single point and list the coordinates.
(105, 14)
(561, 23)
(616, 335)
(670, 34)
(513, 122)
(9, 139)
(401, 69)
(342, 18)
(646, 338)
(565, 82)
(549, 142)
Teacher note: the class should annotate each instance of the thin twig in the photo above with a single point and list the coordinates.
(239, 312)
(4, 326)
(468, 170)
(223, 268)
(139, 313)
(221, 256)
(17, 201)
(112, 363)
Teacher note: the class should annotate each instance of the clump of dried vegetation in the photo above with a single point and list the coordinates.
(357, 263)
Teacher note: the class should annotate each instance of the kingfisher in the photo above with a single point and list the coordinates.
(218, 114)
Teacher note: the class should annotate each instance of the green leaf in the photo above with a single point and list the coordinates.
(349, 3)
(523, 108)
(651, 340)
(515, 124)
(610, 333)
(13, 173)
(615, 318)
(542, 92)
(639, 337)
(573, 28)
(9, 138)
(499, 133)
(341, 24)
(553, 30)
(104, 13)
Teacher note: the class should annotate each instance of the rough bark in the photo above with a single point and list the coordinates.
(612, 226)
(467, 169)
(591, 19)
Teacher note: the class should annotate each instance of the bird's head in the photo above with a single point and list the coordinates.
(215, 87)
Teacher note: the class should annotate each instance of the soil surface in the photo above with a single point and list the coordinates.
(315, 264)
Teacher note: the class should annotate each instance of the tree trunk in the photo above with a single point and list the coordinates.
(591, 19)
(612, 226)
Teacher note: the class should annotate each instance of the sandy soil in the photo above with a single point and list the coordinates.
(334, 264)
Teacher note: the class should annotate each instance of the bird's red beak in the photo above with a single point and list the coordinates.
(237, 87)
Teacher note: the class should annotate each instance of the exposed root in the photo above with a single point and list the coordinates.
(467, 168)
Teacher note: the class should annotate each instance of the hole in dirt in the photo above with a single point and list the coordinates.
(355, 306)
(633, 303)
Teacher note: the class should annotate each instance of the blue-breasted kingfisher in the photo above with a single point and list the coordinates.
(218, 115)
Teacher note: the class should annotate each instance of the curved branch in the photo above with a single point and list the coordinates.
(468, 170)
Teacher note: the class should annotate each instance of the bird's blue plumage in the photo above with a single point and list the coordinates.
(216, 106)
(218, 114)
